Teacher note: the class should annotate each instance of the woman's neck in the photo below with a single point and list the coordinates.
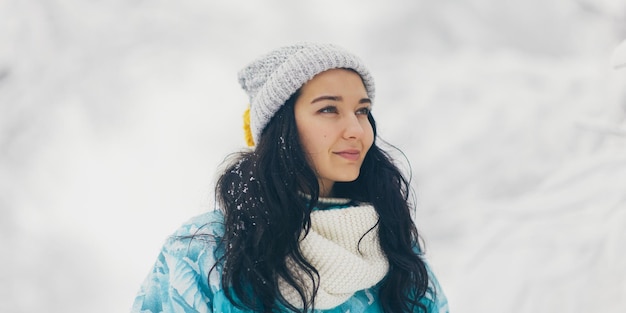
(326, 188)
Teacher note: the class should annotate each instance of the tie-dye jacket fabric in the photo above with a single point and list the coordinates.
(180, 281)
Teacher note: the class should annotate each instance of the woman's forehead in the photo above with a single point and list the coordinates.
(335, 80)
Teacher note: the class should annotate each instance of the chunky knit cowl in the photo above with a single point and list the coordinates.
(343, 246)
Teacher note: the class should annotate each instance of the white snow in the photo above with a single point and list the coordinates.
(115, 115)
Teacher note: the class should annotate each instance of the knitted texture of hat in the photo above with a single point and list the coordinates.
(271, 79)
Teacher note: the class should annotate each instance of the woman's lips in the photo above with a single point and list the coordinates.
(350, 154)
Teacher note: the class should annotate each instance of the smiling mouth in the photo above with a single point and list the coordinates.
(351, 155)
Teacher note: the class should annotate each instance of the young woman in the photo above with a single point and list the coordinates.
(314, 218)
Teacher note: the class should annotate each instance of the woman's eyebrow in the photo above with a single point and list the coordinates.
(322, 98)
(338, 98)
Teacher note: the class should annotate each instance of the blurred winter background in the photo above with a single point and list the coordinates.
(115, 114)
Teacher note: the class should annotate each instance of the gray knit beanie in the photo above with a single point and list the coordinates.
(271, 79)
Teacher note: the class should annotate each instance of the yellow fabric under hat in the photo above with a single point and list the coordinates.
(246, 128)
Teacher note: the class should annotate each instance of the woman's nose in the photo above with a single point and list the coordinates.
(353, 128)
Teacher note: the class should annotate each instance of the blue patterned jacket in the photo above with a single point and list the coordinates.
(180, 282)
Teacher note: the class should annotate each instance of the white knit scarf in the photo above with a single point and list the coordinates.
(344, 248)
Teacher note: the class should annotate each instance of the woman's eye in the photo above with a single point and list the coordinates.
(328, 109)
(363, 111)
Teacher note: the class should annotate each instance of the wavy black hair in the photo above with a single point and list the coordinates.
(265, 213)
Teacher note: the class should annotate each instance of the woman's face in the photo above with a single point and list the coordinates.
(331, 115)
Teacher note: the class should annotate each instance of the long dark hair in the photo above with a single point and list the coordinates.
(265, 213)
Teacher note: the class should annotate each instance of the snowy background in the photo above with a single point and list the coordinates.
(114, 116)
